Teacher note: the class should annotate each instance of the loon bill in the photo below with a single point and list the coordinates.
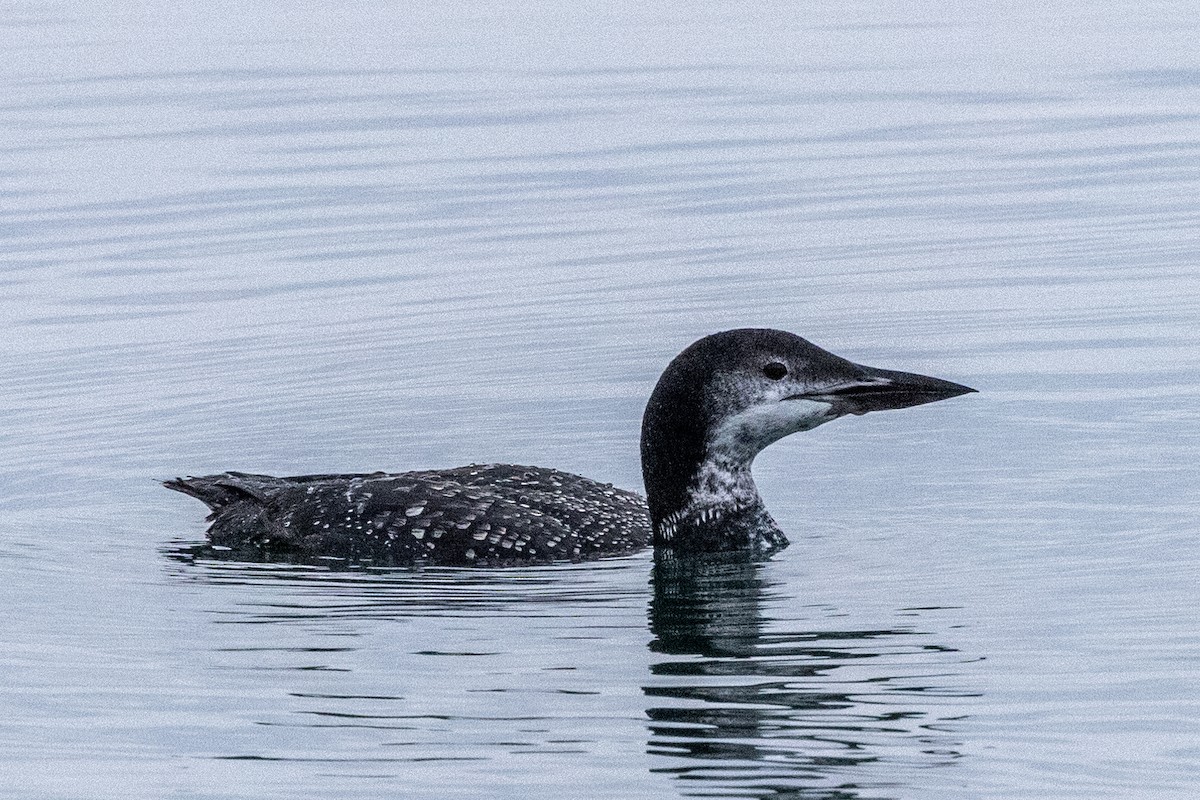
(716, 406)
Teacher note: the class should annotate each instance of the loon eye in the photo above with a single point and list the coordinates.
(775, 371)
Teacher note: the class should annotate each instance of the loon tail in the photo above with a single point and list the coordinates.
(218, 491)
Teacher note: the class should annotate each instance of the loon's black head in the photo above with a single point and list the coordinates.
(729, 395)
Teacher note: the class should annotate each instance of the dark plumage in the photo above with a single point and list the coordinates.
(718, 403)
(481, 514)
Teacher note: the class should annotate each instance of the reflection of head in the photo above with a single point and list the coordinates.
(744, 707)
(706, 605)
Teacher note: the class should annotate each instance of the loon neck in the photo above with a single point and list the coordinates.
(719, 509)
(674, 429)
(720, 484)
(702, 497)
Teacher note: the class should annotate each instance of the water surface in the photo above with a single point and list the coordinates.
(345, 239)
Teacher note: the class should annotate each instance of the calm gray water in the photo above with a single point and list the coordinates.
(327, 238)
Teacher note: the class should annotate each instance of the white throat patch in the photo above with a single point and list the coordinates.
(741, 437)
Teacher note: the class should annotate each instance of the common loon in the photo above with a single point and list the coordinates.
(717, 404)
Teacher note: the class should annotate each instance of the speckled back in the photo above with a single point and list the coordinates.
(479, 514)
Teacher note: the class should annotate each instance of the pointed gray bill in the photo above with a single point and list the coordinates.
(875, 389)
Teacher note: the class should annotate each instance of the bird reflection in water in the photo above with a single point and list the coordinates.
(742, 707)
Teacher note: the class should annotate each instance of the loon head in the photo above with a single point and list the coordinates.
(728, 396)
